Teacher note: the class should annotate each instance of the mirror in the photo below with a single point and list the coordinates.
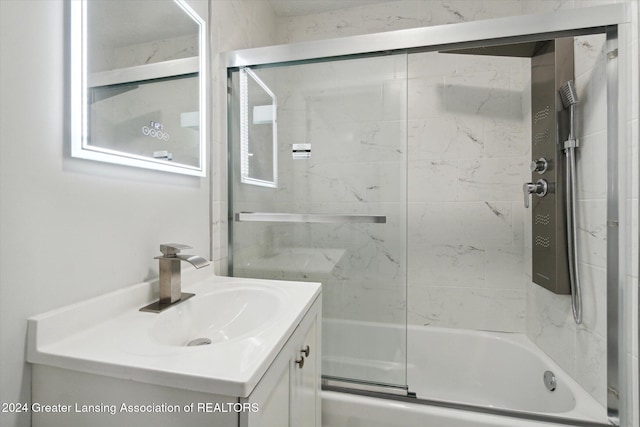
(138, 84)
(258, 132)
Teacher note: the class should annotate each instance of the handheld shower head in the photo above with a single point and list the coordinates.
(568, 94)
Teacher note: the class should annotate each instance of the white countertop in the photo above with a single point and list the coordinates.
(108, 335)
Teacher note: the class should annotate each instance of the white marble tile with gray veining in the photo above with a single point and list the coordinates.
(487, 94)
(552, 331)
(504, 138)
(591, 364)
(337, 182)
(494, 310)
(480, 309)
(433, 306)
(504, 267)
(588, 52)
(447, 265)
(490, 179)
(426, 97)
(432, 64)
(592, 232)
(447, 137)
(426, 224)
(593, 282)
(479, 224)
(592, 95)
(157, 51)
(354, 142)
(432, 180)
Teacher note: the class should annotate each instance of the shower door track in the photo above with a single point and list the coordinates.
(613, 21)
(340, 384)
(411, 398)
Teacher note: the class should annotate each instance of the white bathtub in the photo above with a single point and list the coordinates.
(489, 369)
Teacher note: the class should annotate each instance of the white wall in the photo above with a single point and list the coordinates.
(72, 229)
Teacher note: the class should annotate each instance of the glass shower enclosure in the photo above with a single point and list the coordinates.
(318, 184)
(392, 165)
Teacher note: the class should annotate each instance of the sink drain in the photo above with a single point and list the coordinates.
(199, 341)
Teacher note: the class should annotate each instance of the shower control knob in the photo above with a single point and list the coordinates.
(540, 188)
(539, 165)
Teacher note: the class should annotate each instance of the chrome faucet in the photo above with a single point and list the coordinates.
(170, 280)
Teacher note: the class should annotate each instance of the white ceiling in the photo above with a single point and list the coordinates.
(308, 7)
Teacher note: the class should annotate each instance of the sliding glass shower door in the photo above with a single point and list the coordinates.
(318, 193)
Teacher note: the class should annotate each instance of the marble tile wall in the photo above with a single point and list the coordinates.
(581, 349)
(467, 157)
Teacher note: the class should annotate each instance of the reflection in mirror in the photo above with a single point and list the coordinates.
(258, 132)
(138, 84)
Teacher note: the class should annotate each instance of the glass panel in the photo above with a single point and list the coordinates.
(342, 174)
(126, 117)
(258, 132)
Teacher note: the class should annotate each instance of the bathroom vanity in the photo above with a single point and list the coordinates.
(103, 362)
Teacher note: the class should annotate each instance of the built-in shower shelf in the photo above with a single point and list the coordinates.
(290, 263)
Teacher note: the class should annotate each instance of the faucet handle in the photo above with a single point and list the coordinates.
(540, 188)
(171, 249)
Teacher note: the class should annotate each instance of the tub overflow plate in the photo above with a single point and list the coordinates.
(550, 380)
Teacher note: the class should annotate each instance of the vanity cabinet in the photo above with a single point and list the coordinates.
(288, 394)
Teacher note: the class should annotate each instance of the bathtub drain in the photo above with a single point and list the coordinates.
(199, 341)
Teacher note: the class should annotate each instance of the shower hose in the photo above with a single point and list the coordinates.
(572, 239)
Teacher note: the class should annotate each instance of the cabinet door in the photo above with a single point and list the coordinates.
(289, 393)
(305, 376)
(273, 404)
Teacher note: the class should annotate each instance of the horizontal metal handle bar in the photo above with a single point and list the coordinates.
(321, 218)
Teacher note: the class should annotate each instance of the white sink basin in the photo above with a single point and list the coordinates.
(247, 322)
(220, 316)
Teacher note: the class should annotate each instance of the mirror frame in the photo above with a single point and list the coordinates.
(79, 107)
